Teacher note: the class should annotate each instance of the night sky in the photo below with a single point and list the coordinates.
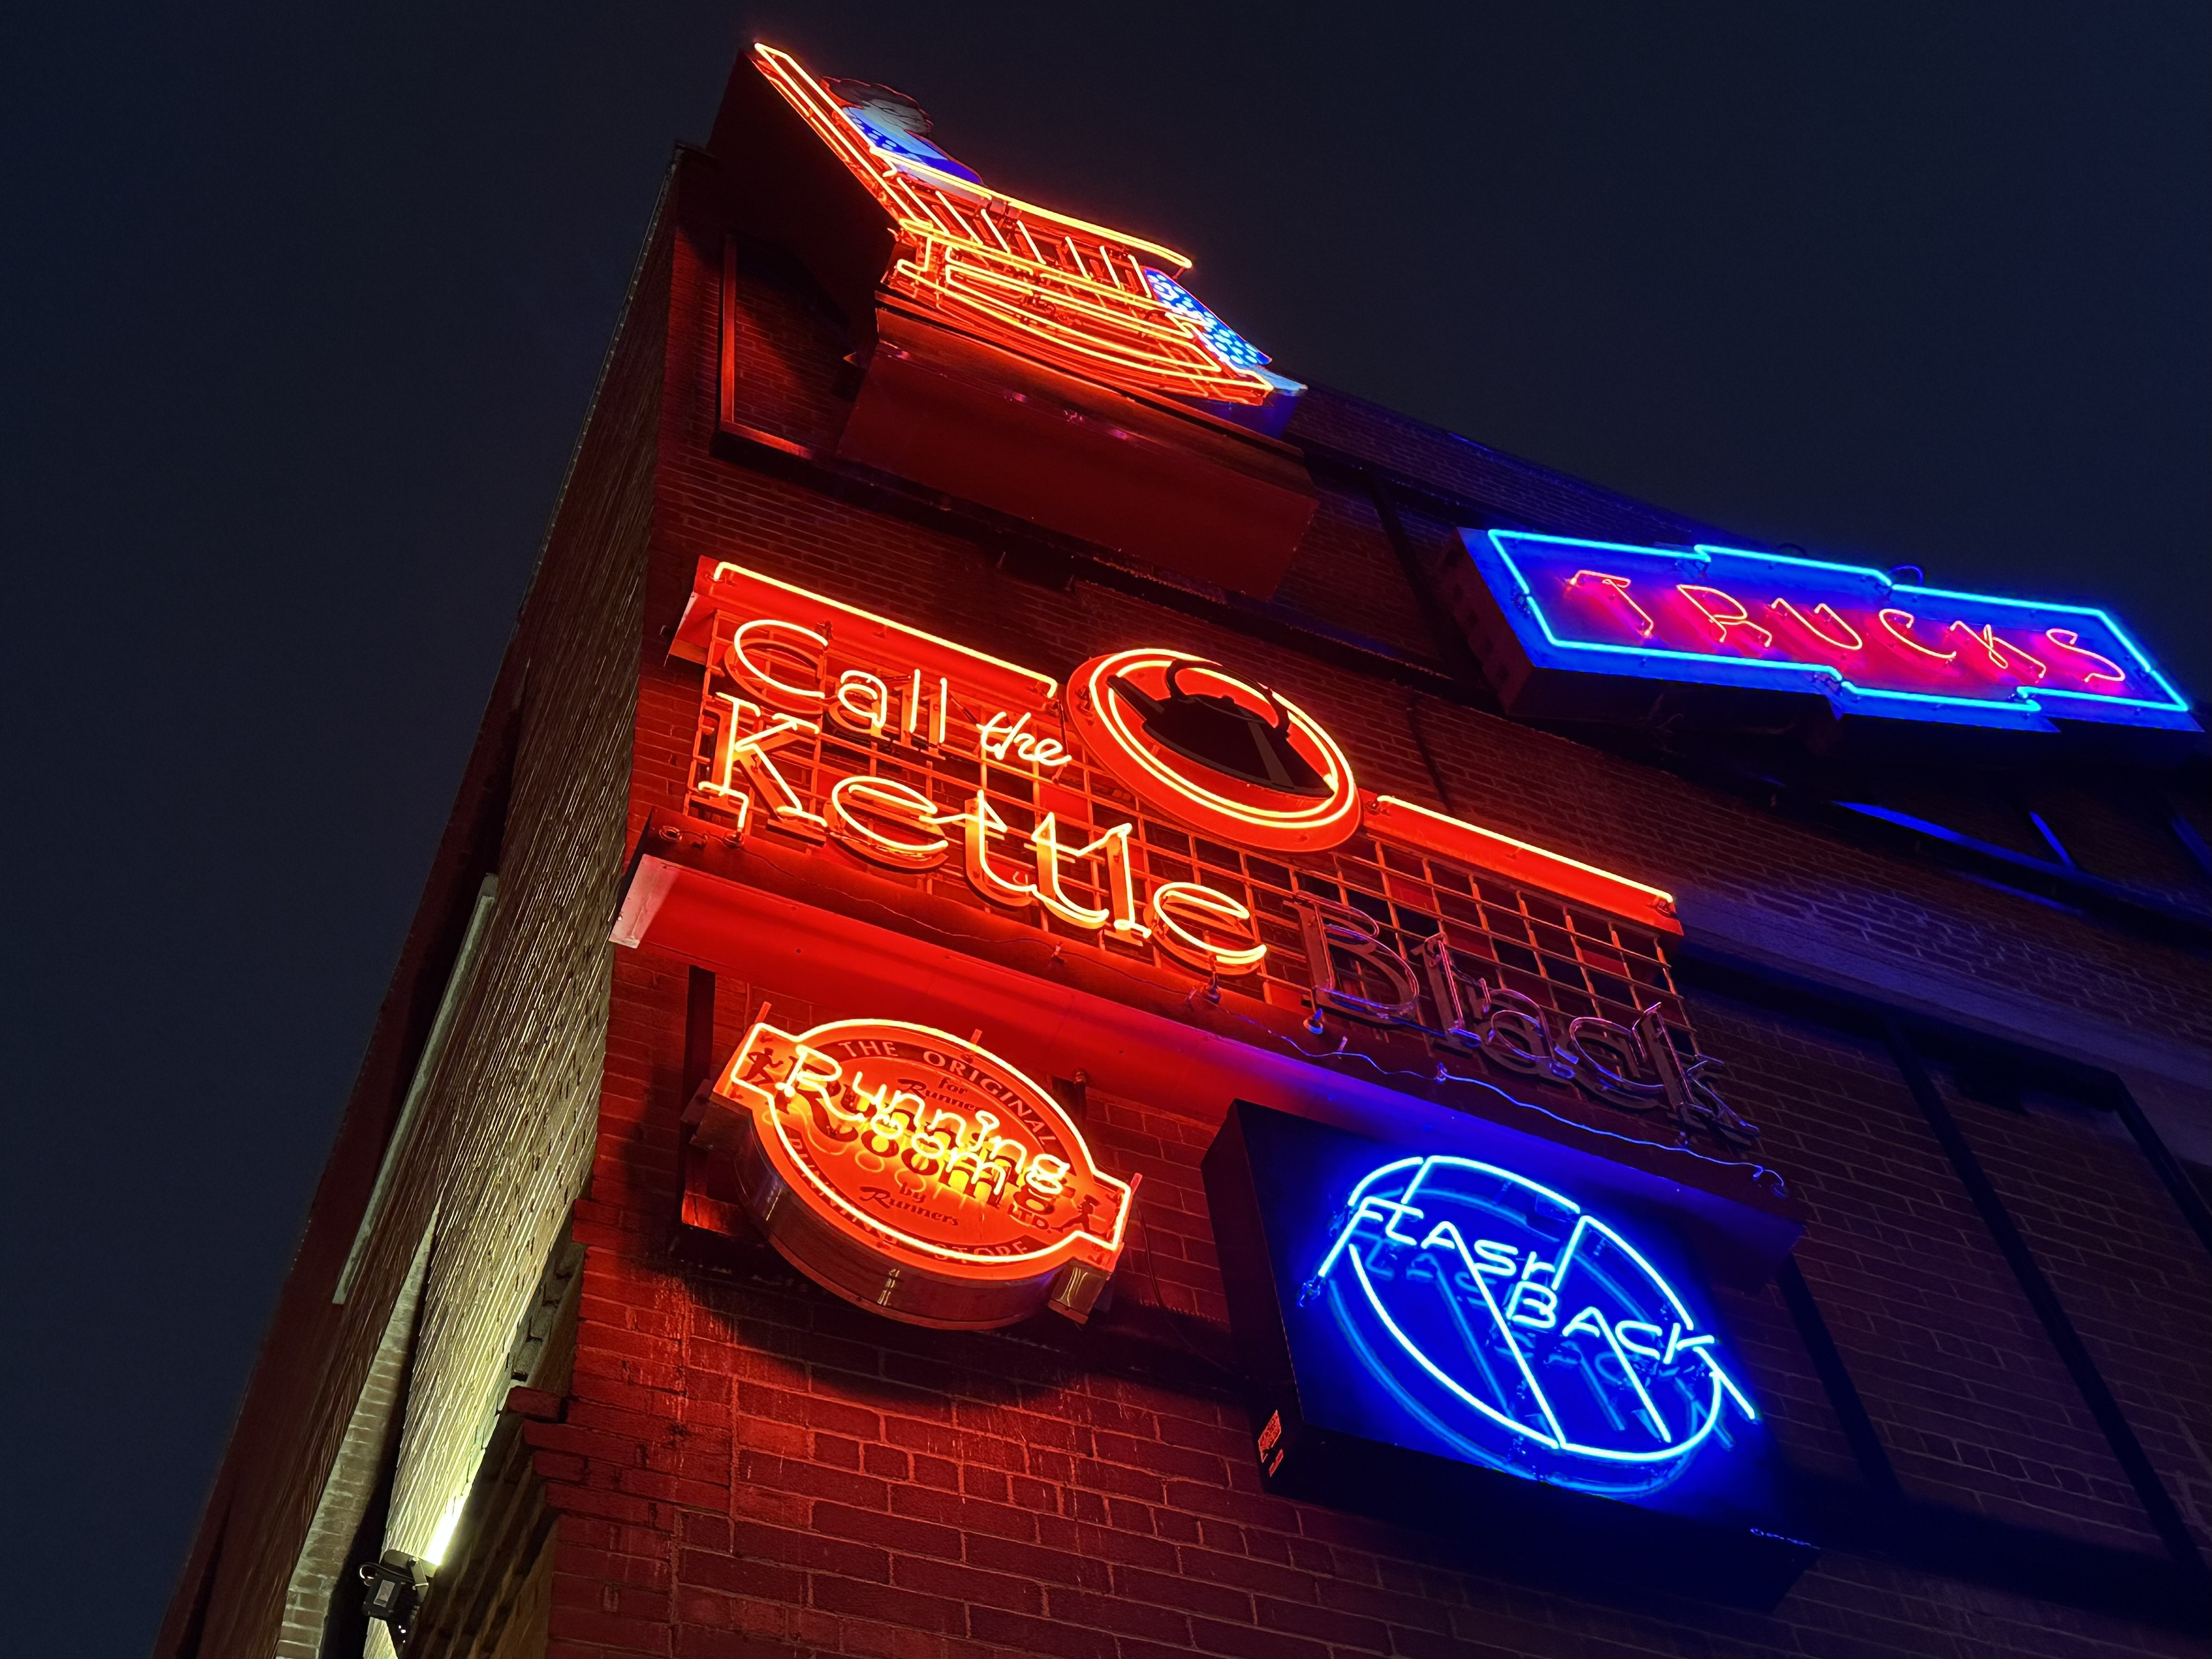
(302, 311)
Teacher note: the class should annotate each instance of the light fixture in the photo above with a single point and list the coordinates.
(396, 1582)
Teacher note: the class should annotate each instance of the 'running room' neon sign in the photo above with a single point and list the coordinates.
(1869, 644)
(914, 1173)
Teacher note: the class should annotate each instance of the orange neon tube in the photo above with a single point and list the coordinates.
(1412, 824)
(1047, 687)
(1903, 635)
(1722, 621)
(1851, 640)
(1618, 587)
(795, 75)
(1336, 774)
(2068, 641)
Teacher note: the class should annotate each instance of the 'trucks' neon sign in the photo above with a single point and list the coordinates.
(1867, 643)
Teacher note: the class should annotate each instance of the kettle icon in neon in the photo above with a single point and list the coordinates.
(1221, 733)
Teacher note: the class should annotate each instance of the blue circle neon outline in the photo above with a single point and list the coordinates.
(1364, 1205)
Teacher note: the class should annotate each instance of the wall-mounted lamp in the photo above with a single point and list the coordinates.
(396, 1582)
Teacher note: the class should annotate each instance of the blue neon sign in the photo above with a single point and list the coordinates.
(1524, 1331)
(1487, 1330)
(1868, 644)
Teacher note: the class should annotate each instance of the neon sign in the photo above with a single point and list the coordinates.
(1078, 295)
(1867, 643)
(1524, 1330)
(1230, 757)
(834, 729)
(914, 1173)
(1487, 1334)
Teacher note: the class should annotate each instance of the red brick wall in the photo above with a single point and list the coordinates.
(1973, 1406)
(751, 1466)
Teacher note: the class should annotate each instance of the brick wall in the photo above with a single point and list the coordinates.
(1971, 1404)
(753, 1467)
(515, 1096)
(319, 1575)
(504, 1135)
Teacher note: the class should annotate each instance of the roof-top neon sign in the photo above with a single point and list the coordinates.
(1869, 644)
(1096, 300)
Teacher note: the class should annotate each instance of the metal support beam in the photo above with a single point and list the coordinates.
(2158, 1504)
(2164, 1164)
(1872, 1456)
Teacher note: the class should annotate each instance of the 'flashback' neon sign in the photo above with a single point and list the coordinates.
(1523, 1330)
(1867, 643)
(914, 1173)
(1482, 1332)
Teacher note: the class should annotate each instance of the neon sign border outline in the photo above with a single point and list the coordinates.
(719, 591)
(1051, 686)
(1344, 788)
(1224, 376)
(1722, 1383)
(2025, 709)
(791, 70)
(1051, 1257)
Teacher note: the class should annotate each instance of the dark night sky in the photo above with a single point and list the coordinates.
(303, 308)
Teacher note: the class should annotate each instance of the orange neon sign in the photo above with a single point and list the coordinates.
(1412, 824)
(1101, 302)
(915, 1173)
(917, 755)
(1233, 758)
